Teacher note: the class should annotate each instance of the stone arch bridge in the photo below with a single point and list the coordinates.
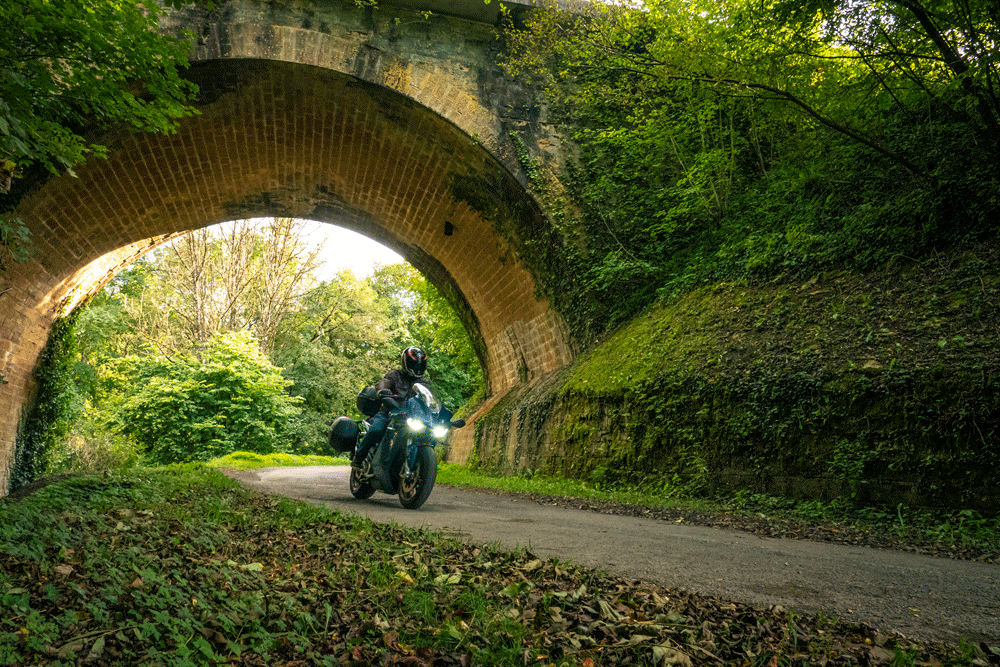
(387, 121)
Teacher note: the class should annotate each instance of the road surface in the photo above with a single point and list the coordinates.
(923, 597)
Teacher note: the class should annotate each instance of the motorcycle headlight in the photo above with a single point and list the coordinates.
(440, 431)
(415, 424)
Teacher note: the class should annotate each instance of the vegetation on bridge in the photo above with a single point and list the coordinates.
(777, 241)
(746, 141)
(68, 69)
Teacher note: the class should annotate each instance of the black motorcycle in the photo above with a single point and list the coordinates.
(414, 431)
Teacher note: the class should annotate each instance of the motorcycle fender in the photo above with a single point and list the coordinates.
(413, 448)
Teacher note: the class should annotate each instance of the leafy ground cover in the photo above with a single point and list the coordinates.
(181, 566)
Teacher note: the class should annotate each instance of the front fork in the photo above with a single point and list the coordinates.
(413, 446)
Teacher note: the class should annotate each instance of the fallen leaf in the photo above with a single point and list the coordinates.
(665, 655)
(96, 651)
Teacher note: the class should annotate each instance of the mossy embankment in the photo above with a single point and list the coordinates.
(883, 386)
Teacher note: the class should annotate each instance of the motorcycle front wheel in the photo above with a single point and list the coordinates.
(416, 487)
(359, 489)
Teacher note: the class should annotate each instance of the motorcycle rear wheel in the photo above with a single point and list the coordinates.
(413, 492)
(359, 489)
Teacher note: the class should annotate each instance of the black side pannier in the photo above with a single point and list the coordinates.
(368, 402)
(343, 434)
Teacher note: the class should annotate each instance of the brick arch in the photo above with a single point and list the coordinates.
(291, 139)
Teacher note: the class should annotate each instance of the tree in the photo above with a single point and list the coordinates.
(189, 409)
(840, 64)
(426, 319)
(336, 342)
(347, 333)
(145, 340)
(68, 67)
(946, 52)
(248, 278)
(729, 139)
(285, 274)
(457, 373)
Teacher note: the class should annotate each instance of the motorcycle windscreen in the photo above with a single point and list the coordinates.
(428, 398)
(416, 409)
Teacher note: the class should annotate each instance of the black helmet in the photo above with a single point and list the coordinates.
(414, 361)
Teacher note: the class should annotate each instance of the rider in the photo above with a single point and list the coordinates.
(397, 384)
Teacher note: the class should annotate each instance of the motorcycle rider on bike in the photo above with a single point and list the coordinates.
(397, 384)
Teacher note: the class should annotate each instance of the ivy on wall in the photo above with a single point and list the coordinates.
(51, 416)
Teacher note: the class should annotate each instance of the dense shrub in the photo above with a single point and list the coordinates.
(193, 409)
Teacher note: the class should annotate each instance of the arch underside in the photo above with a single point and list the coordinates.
(286, 139)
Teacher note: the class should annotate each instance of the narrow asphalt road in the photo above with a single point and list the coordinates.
(922, 597)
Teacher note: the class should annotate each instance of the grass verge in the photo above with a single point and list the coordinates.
(252, 461)
(182, 566)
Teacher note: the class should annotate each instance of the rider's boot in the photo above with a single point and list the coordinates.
(381, 461)
(357, 460)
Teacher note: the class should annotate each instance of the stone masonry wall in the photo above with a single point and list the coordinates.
(321, 111)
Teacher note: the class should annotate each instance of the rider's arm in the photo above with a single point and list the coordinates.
(389, 386)
(385, 386)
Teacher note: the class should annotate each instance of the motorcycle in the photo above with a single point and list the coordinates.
(414, 430)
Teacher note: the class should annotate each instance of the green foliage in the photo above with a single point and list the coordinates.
(456, 375)
(424, 317)
(953, 529)
(329, 341)
(93, 445)
(240, 276)
(50, 419)
(64, 66)
(535, 482)
(875, 388)
(253, 460)
(185, 409)
(15, 240)
(349, 333)
(733, 141)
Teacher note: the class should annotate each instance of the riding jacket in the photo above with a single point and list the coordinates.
(399, 385)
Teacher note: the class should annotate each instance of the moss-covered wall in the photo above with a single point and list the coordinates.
(882, 387)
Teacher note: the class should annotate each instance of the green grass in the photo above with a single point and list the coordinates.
(251, 461)
(459, 475)
(961, 528)
(181, 566)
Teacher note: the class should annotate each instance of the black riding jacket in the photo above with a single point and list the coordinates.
(399, 385)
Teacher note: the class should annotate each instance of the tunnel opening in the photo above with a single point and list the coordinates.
(285, 139)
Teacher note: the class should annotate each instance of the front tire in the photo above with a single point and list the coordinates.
(359, 489)
(413, 492)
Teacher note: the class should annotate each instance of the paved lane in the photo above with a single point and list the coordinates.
(920, 596)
